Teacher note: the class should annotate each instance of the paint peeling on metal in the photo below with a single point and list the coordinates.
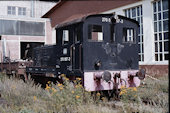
(119, 48)
(107, 48)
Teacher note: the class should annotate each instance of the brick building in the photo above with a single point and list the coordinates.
(22, 27)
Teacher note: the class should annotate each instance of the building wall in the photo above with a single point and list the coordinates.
(11, 44)
(42, 7)
(33, 8)
(4, 9)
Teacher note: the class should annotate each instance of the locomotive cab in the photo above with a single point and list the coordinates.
(110, 44)
(70, 39)
(110, 53)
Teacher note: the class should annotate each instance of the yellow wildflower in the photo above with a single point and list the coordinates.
(49, 82)
(122, 87)
(77, 96)
(76, 86)
(47, 87)
(134, 89)
(122, 92)
(35, 98)
(80, 86)
(61, 88)
(59, 85)
(72, 92)
(63, 75)
(103, 98)
(54, 90)
(66, 79)
(78, 79)
(98, 94)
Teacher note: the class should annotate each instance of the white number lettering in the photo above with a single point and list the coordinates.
(104, 19)
(65, 59)
(119, 21)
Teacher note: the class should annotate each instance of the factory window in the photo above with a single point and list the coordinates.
(22, 11)
(161, 30)
(96, 33)
(11, 10)
(16, 27)
(137, 14)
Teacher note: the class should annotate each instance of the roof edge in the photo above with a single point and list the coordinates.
(53, 8)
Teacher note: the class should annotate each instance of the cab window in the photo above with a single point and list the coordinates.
(65, 37)
(129, 35)
(95, 33)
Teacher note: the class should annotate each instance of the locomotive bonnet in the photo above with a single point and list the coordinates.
(102, 49)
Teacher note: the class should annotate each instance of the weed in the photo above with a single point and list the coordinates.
(26, 97)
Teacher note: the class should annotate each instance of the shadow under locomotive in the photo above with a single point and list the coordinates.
(102, 49)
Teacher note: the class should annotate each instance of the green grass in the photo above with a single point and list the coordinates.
(27, 97)
(150, 97)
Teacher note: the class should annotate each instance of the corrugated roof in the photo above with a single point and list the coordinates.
(61, 2)
(73, 19)
(65, 11)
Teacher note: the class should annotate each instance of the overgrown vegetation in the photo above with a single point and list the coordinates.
(150, 96)
(71, 97)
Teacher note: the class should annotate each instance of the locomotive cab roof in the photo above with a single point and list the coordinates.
(82, 18)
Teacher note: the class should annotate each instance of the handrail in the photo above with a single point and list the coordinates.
(80, 47)
(71, 55)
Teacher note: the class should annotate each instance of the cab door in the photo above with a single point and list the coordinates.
(76, 50)
(127, 45)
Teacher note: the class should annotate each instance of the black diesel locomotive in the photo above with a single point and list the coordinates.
(102, 49)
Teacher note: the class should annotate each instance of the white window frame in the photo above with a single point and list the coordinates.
(22, 12)
(11, 11)
(15, 11)
(100, 36)
(129, 36)
(158, 34)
